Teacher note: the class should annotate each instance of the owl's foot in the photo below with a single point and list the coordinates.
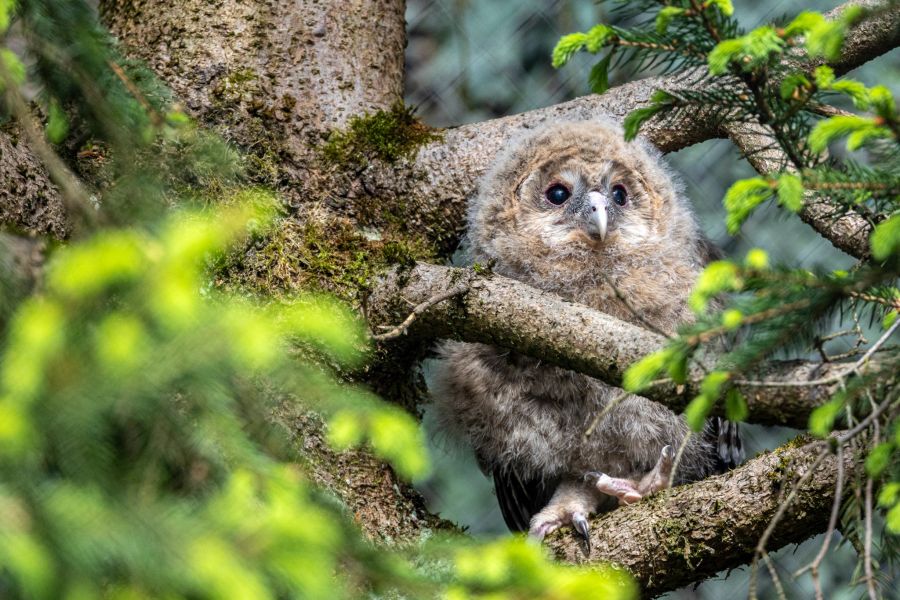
(629, 491)
(570, 505)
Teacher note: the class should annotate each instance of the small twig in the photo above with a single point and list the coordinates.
(400, 329)
(599, 417)
(833, 378)
(678, 456)
(776, 581)
(136, 92)
(832, 524)
(782, 509)
(867, 510)
(621, 298)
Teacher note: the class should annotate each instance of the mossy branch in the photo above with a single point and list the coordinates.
(507, 313)
(692, 532)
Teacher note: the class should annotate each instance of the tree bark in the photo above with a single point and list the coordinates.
(29, 201)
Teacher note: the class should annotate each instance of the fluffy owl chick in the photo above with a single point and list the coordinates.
(575, 210)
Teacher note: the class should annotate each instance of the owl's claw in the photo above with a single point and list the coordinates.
(629, 491)
(565, 510)
(580, 522)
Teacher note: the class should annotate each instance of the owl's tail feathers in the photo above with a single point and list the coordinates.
(521, 498)
(726, 437)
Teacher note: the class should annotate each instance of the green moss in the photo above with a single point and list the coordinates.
(332, 256)
(387, 135)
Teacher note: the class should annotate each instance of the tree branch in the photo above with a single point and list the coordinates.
(692, 532)
(507, 313)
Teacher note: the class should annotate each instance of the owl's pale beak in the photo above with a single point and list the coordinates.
(597, 216)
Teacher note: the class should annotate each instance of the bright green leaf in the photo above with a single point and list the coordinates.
(821, 420)
(757, 258)
(598, 79)
(718, 277)
(639, 375)
(15, 70)
(57, 124)
(889, 494)
(790, 191)
(742, 198)
(736, 408)
(732, 319)
(892, 520)
(696, 412)
(638, 117)
(829, 130)
(748, 52)
(665, 16)
(885, 240)
(7, 8)
(879, 458)
(803, 22)
(724, 6)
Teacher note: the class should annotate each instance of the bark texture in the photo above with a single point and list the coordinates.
(510, 314)
(692, 532)
(29, 201)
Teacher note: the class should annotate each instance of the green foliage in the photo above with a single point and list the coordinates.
(717, 278)
(592, 41)
(516, 569)
(742, 198)
(642, 373)
(885, 239)
(821, 421)
(755, 309)
(747, 52)
(736, 408)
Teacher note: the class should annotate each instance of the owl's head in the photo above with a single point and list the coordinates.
(574, 198)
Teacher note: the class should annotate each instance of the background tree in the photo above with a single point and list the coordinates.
(308, 104)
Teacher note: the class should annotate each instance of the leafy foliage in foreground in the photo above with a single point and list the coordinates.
(138, 453)
(744, 77)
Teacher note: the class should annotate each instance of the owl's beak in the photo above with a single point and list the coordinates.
(597, 216)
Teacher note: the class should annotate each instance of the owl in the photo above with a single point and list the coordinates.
(574, 209)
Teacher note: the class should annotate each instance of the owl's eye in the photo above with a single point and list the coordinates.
(557, 194)
(620, 194)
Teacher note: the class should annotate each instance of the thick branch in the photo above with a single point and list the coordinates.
(507, 313)
(848, 231)
(692, 532)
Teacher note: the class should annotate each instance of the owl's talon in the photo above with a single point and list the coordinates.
(580, 523)
(566, 508)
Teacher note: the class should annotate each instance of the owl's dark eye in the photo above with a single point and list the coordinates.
(620, 194)
(557, 194)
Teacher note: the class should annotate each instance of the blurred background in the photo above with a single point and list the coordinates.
(471, 61)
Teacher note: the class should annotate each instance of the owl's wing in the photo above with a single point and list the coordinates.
(519, 498)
